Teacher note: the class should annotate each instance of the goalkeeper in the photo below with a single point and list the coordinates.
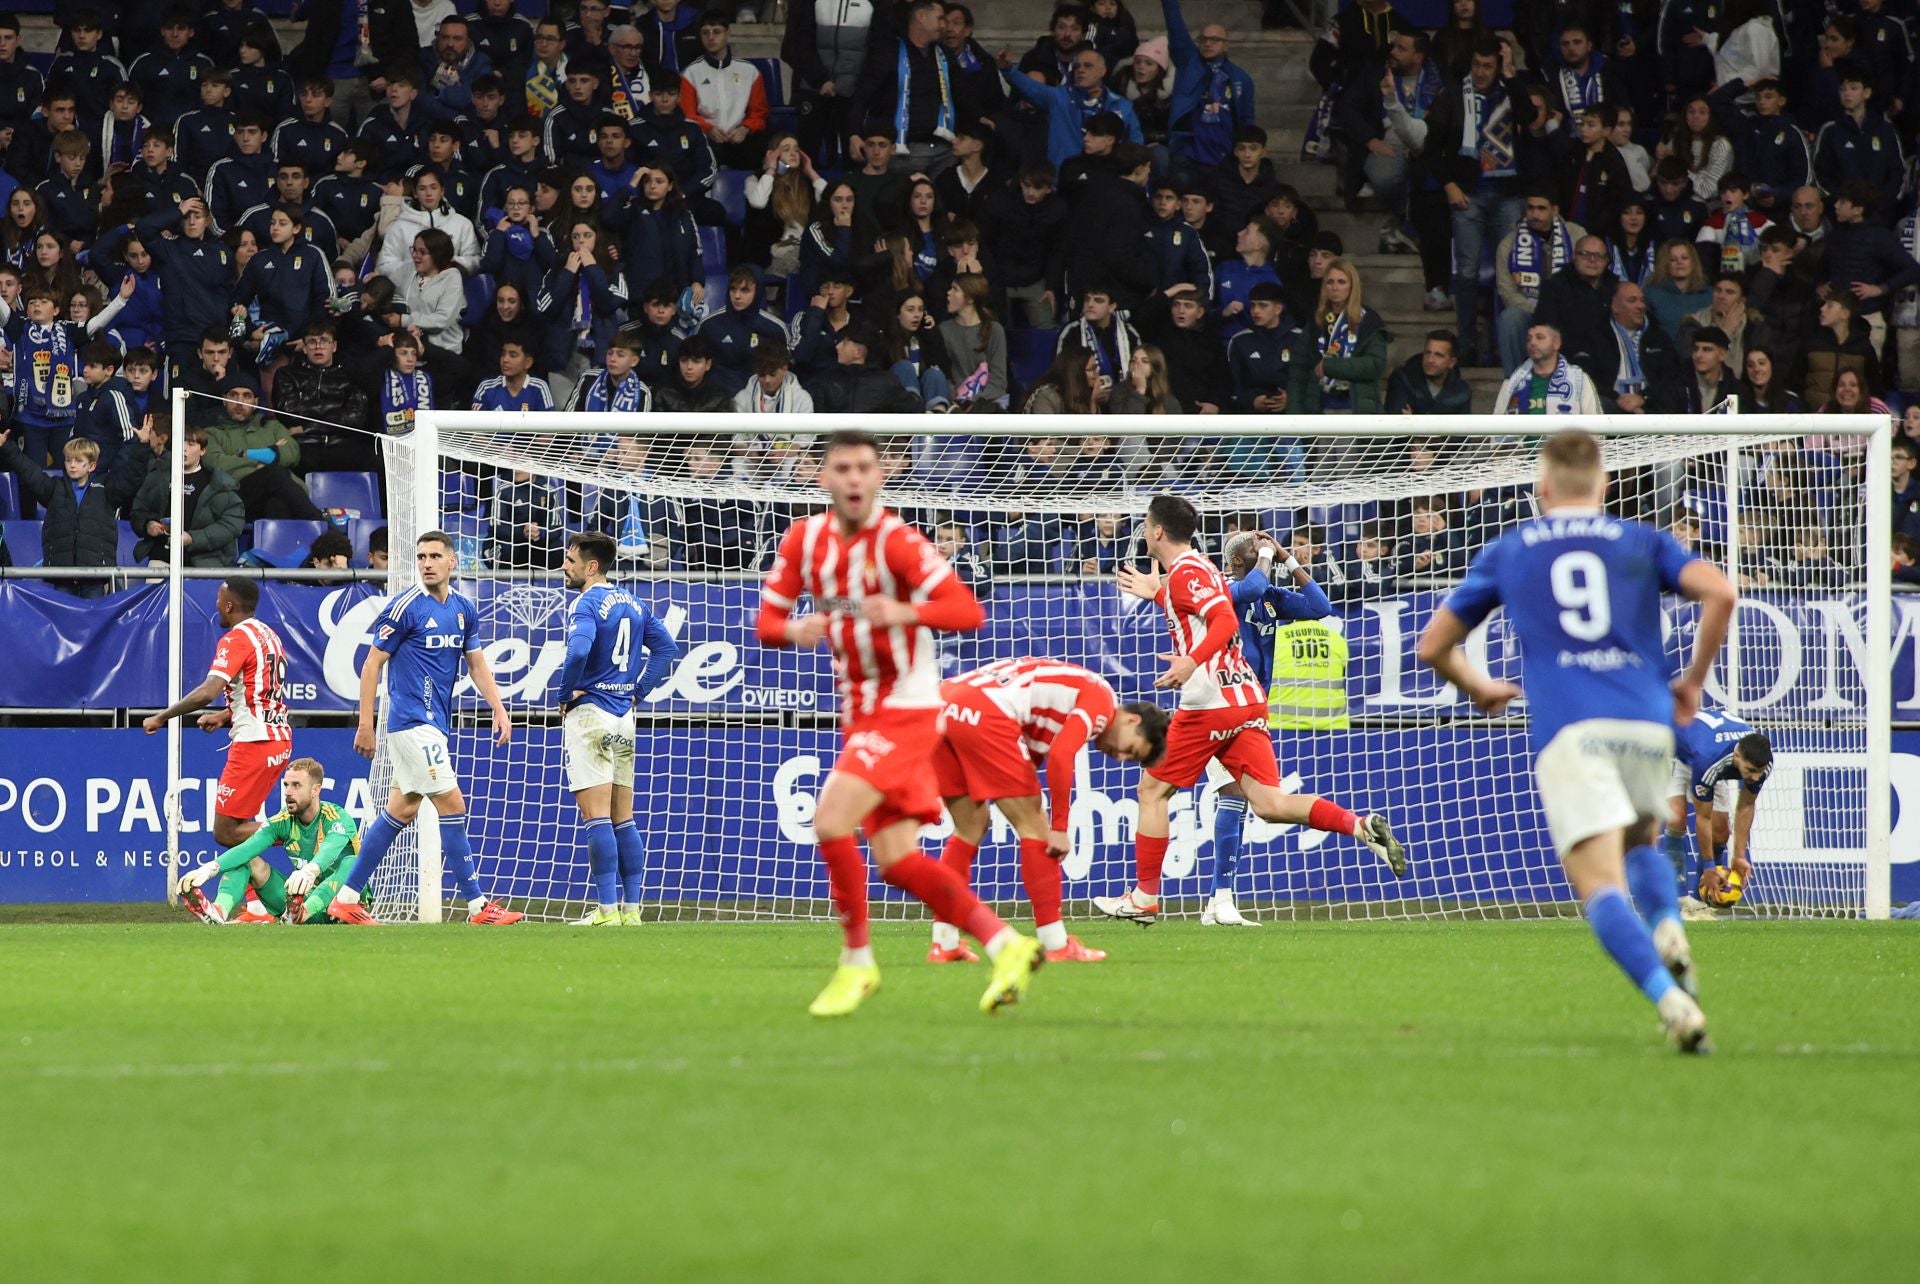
(1719, 764)
(320, 839)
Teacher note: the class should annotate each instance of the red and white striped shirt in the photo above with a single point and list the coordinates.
(1058, 707)
(253, 663)
(875, 667)
(1193, 597)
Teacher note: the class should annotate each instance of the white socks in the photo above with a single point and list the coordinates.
(946, 936)
(999, 942)
(862, 957)
(1053, 936)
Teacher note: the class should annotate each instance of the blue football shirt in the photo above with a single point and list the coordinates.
(1582, 592)
(1264, 606)
(427, 640)
(609, 632)
(1706, 745)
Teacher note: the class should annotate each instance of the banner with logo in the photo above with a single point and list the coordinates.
(726, 811)
(1798, 653)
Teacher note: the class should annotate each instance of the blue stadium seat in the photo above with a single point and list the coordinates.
(284, 542)
(479, 289)
(359, 531)
(23, 542)
(713, 254)
(730, 189)
(9, 497)
(356, 492)
(1029, 353)
(773, 71)
(458, 492)
(128, 538)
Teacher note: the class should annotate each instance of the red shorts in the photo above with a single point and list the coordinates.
(980, 754)
(253, 769)
(891, 750)
(1238, 737)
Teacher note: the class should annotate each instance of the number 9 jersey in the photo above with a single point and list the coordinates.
(1582, 592)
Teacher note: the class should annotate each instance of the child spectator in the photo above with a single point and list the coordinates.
(1026, 231)
(1238, 277)
(405, 386)
(1734, 228)
(615, 387)
(104, 413)
(693, 390)
(956, 545)
(326, 405)
(976, 345)
(213, 510)
(741, 330)
(82, 525)
(515, 387)
(773, 389)
(522, 525)
(1677, 213)
(1906, 559)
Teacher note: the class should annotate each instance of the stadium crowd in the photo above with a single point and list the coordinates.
(1635, 208)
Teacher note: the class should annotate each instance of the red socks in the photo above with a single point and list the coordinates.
(1149, 854)
(958, 856)
(1041, 874)
(847, 877)
(940, 890)
(1332, 817)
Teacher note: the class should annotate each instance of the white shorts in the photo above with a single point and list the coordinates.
(1726, 794)
(420, 761)
(599, 748)
(1603, 774)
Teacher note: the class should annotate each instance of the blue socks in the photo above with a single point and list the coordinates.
(633, 854)
(603, 858)
(373, 849)
(1229, 823)
(458, 857)
(1674, 846)
(1627, 940)
(1650, 879)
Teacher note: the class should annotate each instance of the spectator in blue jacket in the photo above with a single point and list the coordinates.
(453, 64)
(196, 276)
(1212, 98)
(741, 329)
(1238, 277)
(289, 279)
(582, 302)
(1178, 256)
(1069, 107)
(1859, 146)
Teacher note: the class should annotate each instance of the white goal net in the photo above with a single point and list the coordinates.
(1036, 512)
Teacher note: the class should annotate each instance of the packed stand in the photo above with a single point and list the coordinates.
(1668, 208)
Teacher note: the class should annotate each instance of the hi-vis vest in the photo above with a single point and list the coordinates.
(1309, 687)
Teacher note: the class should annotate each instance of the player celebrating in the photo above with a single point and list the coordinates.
(1263, 605)
(250, 665)
(320, 838)
(879, 589)
(998, 724)
(606, 631)
(424, 632)
(1722, 762)
(1582, 592)
(1222, 714)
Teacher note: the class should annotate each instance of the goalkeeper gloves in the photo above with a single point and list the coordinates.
(198, 876)
(303, 879)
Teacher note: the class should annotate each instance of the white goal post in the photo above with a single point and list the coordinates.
(1797, 508)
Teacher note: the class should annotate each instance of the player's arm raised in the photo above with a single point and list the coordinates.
(1708, 585)
(199, 698)
(490, 692)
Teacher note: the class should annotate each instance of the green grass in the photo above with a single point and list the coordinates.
(1313, 1101)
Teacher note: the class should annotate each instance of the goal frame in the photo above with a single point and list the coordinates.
(423, 445)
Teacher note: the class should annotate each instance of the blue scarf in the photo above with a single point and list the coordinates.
(1559, 391)
(1535, 258)
(583, 310)
(926, 257)
(402, 395)
(943, 125)
(1487, 130)
(1633, 269)
(1738, 239)
(1631, 377)
(1417, 98)
(1337, 340)
(629, 90)
(1582, 92)
(629, 395)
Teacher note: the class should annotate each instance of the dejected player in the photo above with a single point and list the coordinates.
(1719, 765)
(879, 589)
(250, 666)
(1582, 592)
(319, 837)
(424, 632)
(1222, 714)
(997, 725)
(607, 632)
(1263, 602)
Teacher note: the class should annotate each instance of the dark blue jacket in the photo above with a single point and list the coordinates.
(315, 146)
(676, 143)
(72, 211)
(400, 147)
(316, 229)
(352, 203)
(268, 90)
(1178, 257)
(568, 132)
(165, 191)
(815, 343)
(195, 276)
(527, 273)
(236, 184)
(508, 174)
(105, 415)
(90, 78)
(1191, 76)
(737, 335)
(1845, 152)
(681, 263)
(202, 137)
(823, 246)
(291, 284)
(1262, 361)
(169, 83)
(1772, 152)
(1867, 252)
(557, 301)
(142, 318)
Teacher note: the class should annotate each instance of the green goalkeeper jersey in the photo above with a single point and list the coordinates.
(328, 840)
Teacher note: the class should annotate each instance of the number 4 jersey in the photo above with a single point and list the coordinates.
(1582, 592)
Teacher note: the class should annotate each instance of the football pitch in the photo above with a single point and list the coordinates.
(1307, 1101)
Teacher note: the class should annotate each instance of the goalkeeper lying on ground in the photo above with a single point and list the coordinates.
(321, 841)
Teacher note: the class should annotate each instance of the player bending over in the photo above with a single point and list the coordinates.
(998, 724)
(424, 632)
(1722, 762)
(319, 838)
(1582, 592)
(1222, 714)
(607, 629)
(879, 589)
(1263, 605)
(250, 665)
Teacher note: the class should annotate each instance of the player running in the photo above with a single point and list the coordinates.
(424, 632)
(250, 665)
(606, 632)
(1222, 714)
(1722, 762)
(320, 839)
(1582, 592)
(879, 589)
(997, 725)
(1263, 605)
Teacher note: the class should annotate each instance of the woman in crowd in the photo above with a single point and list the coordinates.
(583, 302)
(1631, 246)
(51, 266)
(780, 201)
(976, 346)
(518, 250)
(509, 317)
(915, 353)
(435, 292)
(663, 215)
(829, 239)
(428, 208)
(1766, 393)
(1069, 387)
(1147, 390)
(1453, 45)
(1842, 342)
(1697, 140)
(1678, 286)
(24, 220)
(924, 222)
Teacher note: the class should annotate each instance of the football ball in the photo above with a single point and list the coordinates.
(1721, 888)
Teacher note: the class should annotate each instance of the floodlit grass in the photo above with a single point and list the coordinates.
(1310, 1101)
